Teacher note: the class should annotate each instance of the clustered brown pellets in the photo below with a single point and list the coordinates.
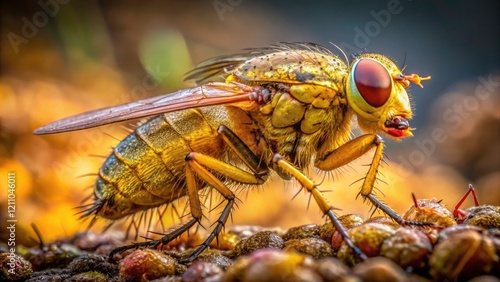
(446, 252)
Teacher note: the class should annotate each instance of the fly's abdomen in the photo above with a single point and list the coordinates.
(147, 169)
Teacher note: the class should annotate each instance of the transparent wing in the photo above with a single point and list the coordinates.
(216, 93)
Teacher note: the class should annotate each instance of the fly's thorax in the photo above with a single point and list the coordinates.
(294, 67)
(306, 87)
(300, 118)
(307, 107)
(307, 102)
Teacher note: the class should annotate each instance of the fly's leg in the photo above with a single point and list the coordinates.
(353, 150)
(323, 204)
(196, 213)
(202, 166)
(156, 243)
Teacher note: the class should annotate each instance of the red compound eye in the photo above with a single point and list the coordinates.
(373, 82)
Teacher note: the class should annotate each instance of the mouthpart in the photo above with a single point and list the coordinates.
(398, 127)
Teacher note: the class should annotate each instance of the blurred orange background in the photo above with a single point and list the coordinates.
(63, 58)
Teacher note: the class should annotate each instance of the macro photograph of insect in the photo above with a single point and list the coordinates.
(236, 140)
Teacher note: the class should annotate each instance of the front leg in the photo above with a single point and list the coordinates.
(354, 149)
(323, 204)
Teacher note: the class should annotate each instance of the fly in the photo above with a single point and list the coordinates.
(282, 108)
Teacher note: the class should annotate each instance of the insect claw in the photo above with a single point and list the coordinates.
(187, 259)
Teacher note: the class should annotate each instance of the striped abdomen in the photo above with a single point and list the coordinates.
(147, 168)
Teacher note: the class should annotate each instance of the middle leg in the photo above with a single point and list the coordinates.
(353, 150)
(202, 165)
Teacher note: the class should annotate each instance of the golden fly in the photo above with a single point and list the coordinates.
(282, 108)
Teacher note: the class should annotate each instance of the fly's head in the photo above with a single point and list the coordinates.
(376, 90)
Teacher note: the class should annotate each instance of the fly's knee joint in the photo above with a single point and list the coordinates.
(262, 176)
(277, 158)
(364, 195)
(190, 157)
(222, 128)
